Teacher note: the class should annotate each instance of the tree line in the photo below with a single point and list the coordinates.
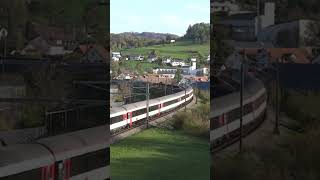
(198, 33)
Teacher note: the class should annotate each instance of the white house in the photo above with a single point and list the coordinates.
(115, 56)
(165, 72)
(166, 61)
(176, 63)
(137, 58)
(172, 41)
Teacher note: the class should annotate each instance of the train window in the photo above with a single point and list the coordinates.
(98, 159)
(33, 174)
(214, 123)
(233, 115)
(79, 165)
(171, 102)
(247, 109)
(153, 108)
(116, 119)
(139, 112)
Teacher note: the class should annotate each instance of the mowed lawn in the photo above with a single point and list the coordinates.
(182, 50)
(158, 154)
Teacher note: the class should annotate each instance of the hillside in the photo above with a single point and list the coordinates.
(150, 35)
(180, 50)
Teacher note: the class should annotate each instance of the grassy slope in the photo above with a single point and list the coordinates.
(159, 154)
(138, 66)
(181, 50)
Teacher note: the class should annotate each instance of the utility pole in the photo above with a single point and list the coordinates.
(165, 87)
(258, 17)
(241, 102)
(276, 127)
(185, 99)
(147, 95)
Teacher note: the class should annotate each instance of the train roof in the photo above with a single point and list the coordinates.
(19, 158)
(116, 111)
(152, 102)
(78, 142)
(252, 88)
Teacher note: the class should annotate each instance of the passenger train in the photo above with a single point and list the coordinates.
(80, 155)
(127, 115)
(225, 113)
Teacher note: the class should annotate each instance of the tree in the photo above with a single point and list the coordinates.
(159, 61)
(115, 68)
(178, 75)
(198, 33)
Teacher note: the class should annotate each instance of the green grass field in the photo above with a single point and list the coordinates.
(138, 66)
(158, 154)
(182, 50)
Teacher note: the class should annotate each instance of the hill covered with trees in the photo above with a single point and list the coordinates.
(197, 33)
(134, 40)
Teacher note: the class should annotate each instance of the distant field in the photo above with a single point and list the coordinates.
(181, 50)
(138, 66)
(158, 154)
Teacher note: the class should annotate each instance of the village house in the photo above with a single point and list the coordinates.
(166, 61)
(136, 58)
(219, 6)
(152, 57)
(93, 53)
(177, 62)
(115, 56)
(165, 72)
(293, 34)
(244, 26)
(41, 47)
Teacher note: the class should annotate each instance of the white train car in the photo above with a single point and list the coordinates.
(80, 155)
(225, 112)
(130, 114)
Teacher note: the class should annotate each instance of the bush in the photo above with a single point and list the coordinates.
(195, 122)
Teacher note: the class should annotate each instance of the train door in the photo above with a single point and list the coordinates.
(222, 123)
(63, 170)
(48, 173)
(130, 118)
(125, 117)
(159, 109)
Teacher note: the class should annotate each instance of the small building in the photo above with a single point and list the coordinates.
(93, 53)
(152, 58)
(177, 62)
(165, 72)
(166, 61)
(172, 41)
(136, 58)
(40, 46)
(245, 26)
(224, 6)
(116, 54)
